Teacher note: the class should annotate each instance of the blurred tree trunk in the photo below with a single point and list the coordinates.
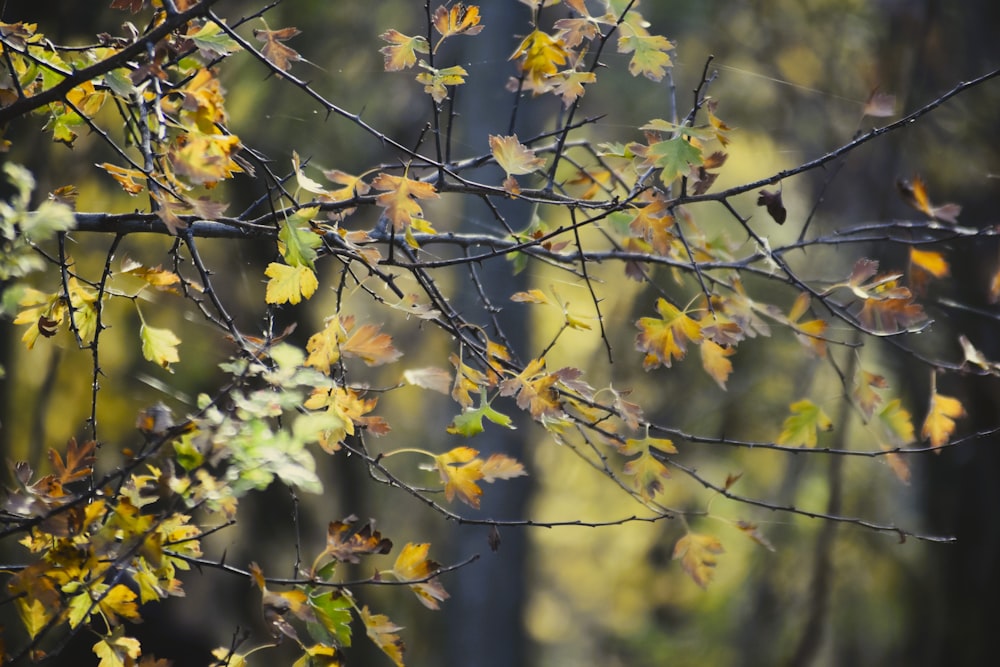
(488, 598)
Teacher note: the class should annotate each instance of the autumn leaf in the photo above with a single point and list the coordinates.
(715, 361)
(346, 543)
(458, 20)
(940, 421)
(435, 379)
(752, 530)
(280, 55)
(896, 424)
(647, 474)
(697, 554)
(413, 565)
(930, 262)
(402, 50)
(132, 181)
(864, 394)
(500, 466)
(436, 80)
(665, 339)
(117, 650)
(159, 345)
(460, 469)
(570, 85)
(382, 632)
(772, 202)
(535, 390)
(541, 55)
(323, 347)
(289, 284)
(811, 332)
(914, 193)
(801, 427)
(513, 157)
(399, 198)
(78, 462)
(370, 345)
(649, 52)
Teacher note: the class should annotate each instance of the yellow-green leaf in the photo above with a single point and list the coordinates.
(802, 426)
(159, 345)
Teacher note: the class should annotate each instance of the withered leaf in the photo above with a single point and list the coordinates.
(775, 208)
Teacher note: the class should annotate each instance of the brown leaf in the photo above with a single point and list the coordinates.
(278, 54)
(775, 208)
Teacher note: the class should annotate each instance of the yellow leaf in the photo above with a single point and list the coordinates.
(940, 421)
(697, 554)
(402, 50)
(647, 474)
(932, 262)
(132, 181)
(715, 361)
(666, 339)
(531, 296)
(324, 347)
(514, 157)
(119, 602)
(413, 565)
(117, 650)
(399, 198)
(460, 470)
(541, 55)
(289, 284)
(159, 345)
(801, 427)
(34, 615)
(436, 80)
(382, 632)
(896, 424)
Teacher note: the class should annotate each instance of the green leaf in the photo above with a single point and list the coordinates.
(212, 38)
(298, 242)
(674, 156)
(333, 611)
(470, 422)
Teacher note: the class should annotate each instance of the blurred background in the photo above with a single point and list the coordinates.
(792, 76)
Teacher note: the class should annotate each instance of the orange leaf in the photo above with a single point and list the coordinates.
(79, 460)
(371, 346)
(456, 21)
